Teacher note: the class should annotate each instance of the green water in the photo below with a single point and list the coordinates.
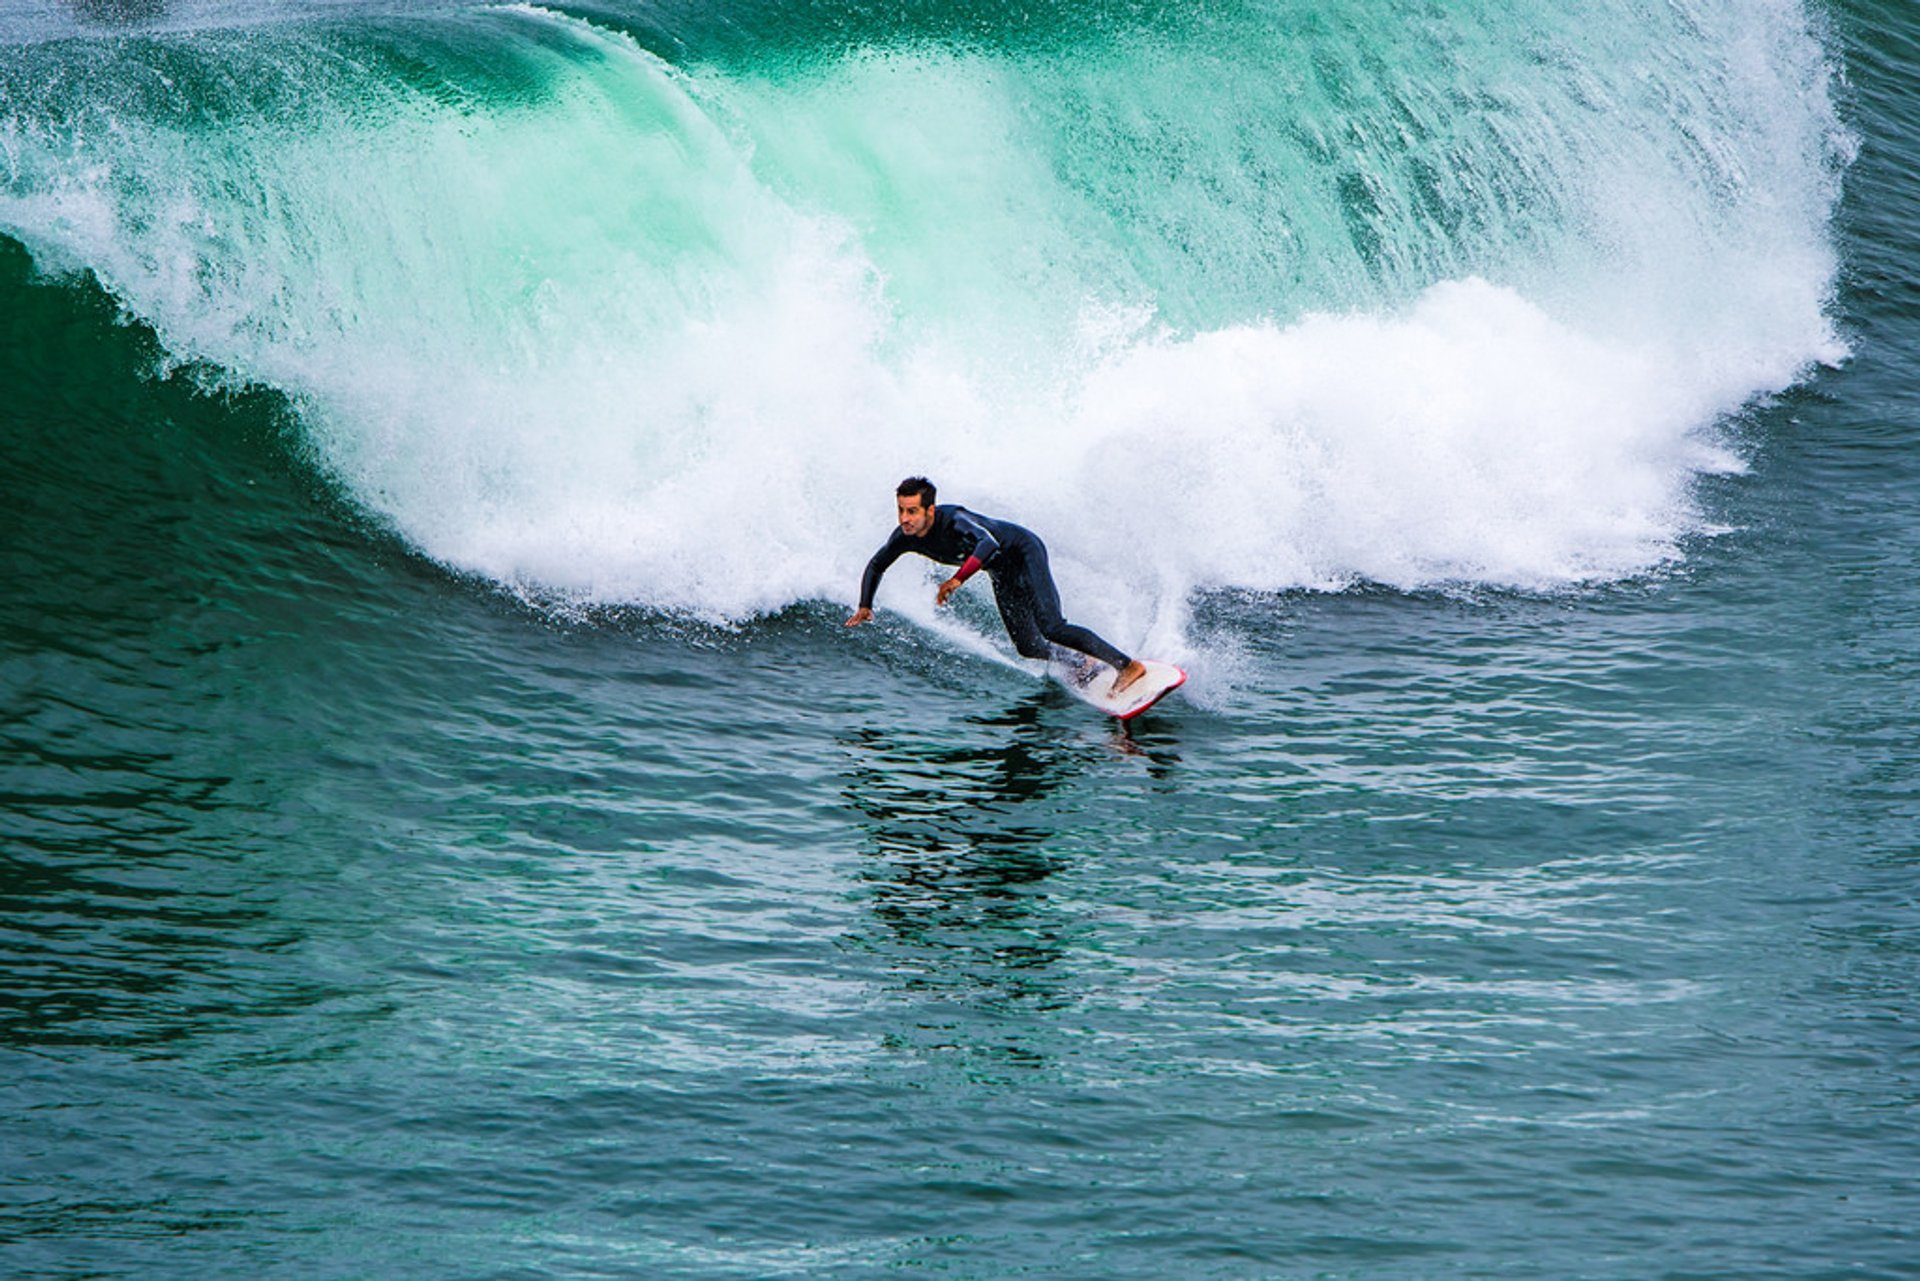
(460, 842)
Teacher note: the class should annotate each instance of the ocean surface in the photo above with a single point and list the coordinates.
(447, 832)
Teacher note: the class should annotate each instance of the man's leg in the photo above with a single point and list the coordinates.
(1030, 590)
(1013, 594)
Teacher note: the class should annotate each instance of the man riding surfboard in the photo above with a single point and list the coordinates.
(1014, 558)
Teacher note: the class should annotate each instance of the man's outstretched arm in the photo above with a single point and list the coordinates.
(870, 580)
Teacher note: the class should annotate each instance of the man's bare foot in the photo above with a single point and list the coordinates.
(1127, 675)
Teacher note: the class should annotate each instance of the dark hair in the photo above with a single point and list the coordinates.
(916, 487)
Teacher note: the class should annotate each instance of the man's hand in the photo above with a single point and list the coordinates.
(947, 589)
(861, 615)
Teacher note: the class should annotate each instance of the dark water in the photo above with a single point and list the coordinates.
(404, 871)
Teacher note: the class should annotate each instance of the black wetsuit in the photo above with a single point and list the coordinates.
(1016, 560)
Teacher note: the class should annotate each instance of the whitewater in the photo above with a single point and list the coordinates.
(1414, 302)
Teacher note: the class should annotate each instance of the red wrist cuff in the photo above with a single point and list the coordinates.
(967, 568)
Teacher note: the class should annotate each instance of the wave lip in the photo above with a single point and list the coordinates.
(1299, 303)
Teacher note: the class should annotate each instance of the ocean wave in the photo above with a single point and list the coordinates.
(1271, 297)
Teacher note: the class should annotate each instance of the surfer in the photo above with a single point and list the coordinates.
(1014, 558)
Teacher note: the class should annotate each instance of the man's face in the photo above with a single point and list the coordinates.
(915, 520)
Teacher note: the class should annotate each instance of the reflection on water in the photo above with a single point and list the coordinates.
(963, 835)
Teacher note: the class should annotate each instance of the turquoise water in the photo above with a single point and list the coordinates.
(448, 832)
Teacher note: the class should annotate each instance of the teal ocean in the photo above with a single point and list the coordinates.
(447, 832)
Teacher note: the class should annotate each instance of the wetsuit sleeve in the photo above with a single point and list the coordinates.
(981, 544)
(870, 581)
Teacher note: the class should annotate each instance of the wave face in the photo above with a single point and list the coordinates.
(650, 306)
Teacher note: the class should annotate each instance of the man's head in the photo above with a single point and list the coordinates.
(914, 496)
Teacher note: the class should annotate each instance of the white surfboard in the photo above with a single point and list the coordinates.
(1161, 679)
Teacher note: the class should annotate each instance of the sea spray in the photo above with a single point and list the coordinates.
(1264, 300)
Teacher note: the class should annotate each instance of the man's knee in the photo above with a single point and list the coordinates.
(1061, 632)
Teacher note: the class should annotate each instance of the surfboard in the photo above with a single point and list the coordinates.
(1161, 680)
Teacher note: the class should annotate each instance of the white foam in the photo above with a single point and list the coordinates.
(608, 346)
